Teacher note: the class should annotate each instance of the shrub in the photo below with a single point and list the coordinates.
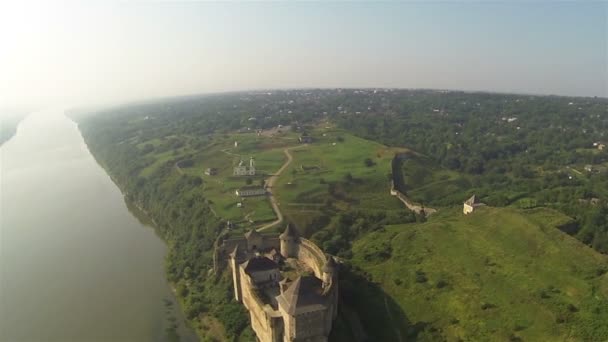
(441, 284)
(421, 277)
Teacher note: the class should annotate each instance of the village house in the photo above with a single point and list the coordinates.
(212, 171)
(249, 191)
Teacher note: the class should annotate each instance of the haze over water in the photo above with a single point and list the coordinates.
(75, 264)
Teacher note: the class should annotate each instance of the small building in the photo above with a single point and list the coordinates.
(305, 139)
(244, 170)
(248, 191)
(601, 147)
(589, 168)
(212, 171)
(469, 205)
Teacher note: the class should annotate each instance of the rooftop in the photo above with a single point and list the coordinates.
(303, 294)
(259, 263)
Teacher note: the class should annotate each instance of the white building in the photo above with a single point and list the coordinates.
(244, 170)
(248, 191)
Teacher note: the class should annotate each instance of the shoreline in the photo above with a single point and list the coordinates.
(144, 216)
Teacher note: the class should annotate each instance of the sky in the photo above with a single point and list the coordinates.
(77, 53)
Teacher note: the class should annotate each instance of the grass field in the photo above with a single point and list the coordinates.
(316, 178)
(304, 188)
(499, 274)
(220, 152)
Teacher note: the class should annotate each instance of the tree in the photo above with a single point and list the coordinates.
(348, 177)
(369, 162)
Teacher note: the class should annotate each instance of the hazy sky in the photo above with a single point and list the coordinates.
(85, 52)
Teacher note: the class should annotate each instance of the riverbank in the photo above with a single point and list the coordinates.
(175, 332)
(182, 218)
(69, 268)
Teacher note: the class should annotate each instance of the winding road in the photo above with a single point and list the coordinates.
(270, 184)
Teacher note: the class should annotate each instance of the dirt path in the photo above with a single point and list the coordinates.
(270, 184)
(230, 153)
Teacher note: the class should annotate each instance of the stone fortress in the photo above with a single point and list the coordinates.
(288, 285)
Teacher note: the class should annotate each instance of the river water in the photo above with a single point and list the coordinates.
(75, 264)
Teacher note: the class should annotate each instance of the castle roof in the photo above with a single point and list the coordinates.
(290, 231)
(330, 265)
(252, 234)
(303, 295)
(259, 263)
(471, 200)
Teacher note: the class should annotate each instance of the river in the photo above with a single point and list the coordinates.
(75, 264)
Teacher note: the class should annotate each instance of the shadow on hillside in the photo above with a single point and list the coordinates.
(368, 313)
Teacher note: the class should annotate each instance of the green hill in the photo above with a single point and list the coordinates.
(498, 274)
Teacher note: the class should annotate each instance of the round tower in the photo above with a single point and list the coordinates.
(328, 271)
(289, 242)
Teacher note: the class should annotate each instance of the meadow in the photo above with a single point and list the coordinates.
(336, 173)
(498, 274)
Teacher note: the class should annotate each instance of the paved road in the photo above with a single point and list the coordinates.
(270, 184)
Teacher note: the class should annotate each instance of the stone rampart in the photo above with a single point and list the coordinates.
(312, 256)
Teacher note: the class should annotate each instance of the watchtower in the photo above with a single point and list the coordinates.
(328, 271)
(289, 242)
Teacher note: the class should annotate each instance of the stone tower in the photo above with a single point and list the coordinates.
(289, 242)
(329, 271)
(251, 164)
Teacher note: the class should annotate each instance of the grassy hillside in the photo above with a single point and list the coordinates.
(426, 182)
(498, 274)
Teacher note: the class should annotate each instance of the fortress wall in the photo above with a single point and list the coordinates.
(311, 324)
(272, 242)
(270, 325)
(222, 251)
(255, 306)
(228, 245)
(312, 256)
